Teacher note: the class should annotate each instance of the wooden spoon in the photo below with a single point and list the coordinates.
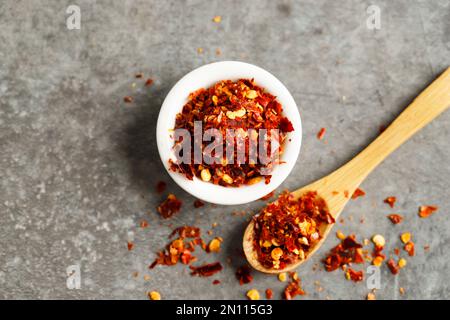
(428, 105)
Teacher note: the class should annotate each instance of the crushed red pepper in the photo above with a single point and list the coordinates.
(169, 207)
(286, 229)
(293, 289)
(321, 133)
(358, 193)
(239, 105)
(198, 203)
(390, 201)
(409, 247)
(348, 251)
(130, 245)
(216, 282)
(269, 294)
(206, 270)
(426, 211)
(128, 99)
(148, 82)
(395, 218)
(243, 274)
(393, 266)
(355, 276)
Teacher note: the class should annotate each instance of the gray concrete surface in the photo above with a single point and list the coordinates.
(78, 166)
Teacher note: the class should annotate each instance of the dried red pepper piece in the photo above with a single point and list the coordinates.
(148, 82)
(216, 282)
(128, 99)
(348, 251)
(186, 232)
(409, 247)
(390, 201)
(268, 196)
(269, 294)
(143, 224)
(286, 229)
(355, 276)
(198, 203)
(206, 270)
(321, 133)
(293, 289)
(130, 245)
(239, 105)
(395, 218)
(393, 266)
(161, 187)
(169, 207)
(426, 211)
(243, 274)
(358, 193)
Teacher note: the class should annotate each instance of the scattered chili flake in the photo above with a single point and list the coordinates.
(286, 229)
(378, 256)
(321, 133)
(268, 196)
(397, 251)
(253, 294)
(409, 247)
(243, 274)
(169, 207)
(149, 82)
(348, 251)
(355, 276)
(161, 187)
(402, 263)
(293, 289)
(186, 232)
(335, 193)
(390, 201)
(218, 52)
(401, 290)
(405, 237)
(393, 266)
(358, 193)
(139, 75)
(143, 224)
(215, 282)
(269, 294)
(154, 295)
(243, 107)
(378, 240)
(395, 218)
(130, 245)
(426, 211)
(206, 270)
(346, 193)
(217, 19)
(198, 203)
(340, 235)
(214, 245)
(128, 99)
(371, 296)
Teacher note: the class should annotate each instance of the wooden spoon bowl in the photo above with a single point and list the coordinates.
(336, 189)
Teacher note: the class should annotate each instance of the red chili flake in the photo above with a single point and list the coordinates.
(346, 194)
(397, 251)
(144, 224)
(215, 282)
(269, 294)
(128, 99)
(198, 203)
(390, 201)
(393, 266)
(186, 232)
(358, 193)
(267, 196)
(293, 289)
(286, 229)
(169, 207)
(243, 274)
(378, 256)
(426, 211)
(238, 105)
(139, 75)
(149, 82)
(130, 245)
(409, 247)
(206, 270)
(355, 276)
(348, 251)
(161, 186)
(321, 133)
(395, 218)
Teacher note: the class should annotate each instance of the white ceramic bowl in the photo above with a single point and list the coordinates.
(204, 77)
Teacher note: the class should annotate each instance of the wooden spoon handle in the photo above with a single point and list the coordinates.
(428, 105)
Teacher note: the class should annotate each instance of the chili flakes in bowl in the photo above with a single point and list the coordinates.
(241, 106)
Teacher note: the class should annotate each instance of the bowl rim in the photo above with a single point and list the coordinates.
(203, 77)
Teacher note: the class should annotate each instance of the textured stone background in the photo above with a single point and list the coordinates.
(78, 166)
